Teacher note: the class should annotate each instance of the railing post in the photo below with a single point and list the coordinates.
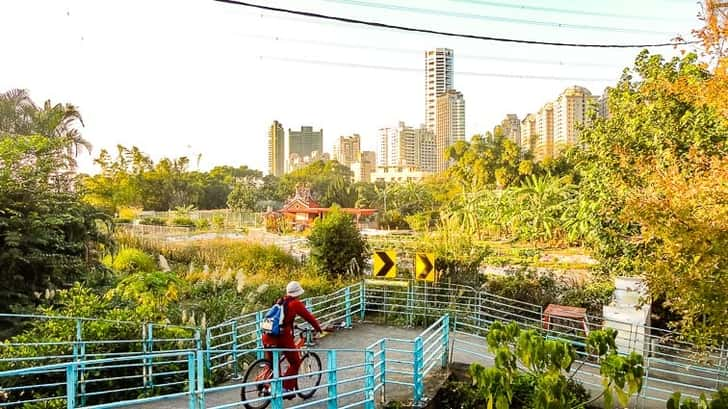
(410, 304)
(71, 386)
(234, 334)
(369, 380)
(417, 371)
(191, 379)
(347, 300)
(150, 349)
(362, 301)
(383, 374)
(200, 375)
(208, 346)
(79, 357)
(445, 340)
(645, 380)
(145, 368)
(276, 383)
(331, 367)
(259, 335)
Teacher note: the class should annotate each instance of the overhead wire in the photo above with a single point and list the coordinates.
(563, 11)
(413, 51)
(419, 70)
(501, 19)
(448, 33)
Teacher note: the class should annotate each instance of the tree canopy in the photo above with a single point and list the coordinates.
(48, 237)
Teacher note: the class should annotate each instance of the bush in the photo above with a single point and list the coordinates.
(131, 260)
(182, 221)
(544, 289)
(461, 394)
(153, 221)
(335, 241)
(120, 220)
(218, 221)
(129, 213)
(202, 224)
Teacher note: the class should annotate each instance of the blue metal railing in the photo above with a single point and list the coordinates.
(456, 319)
(69, 387)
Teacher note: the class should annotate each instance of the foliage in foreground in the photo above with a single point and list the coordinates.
(48, 237)
(719, 400)
(519, 351)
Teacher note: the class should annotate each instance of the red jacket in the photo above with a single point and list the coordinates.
(294, 308)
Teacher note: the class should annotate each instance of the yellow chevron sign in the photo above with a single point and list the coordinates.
(384, 264)
(425, 267)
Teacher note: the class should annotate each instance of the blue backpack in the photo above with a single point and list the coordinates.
(273, 320)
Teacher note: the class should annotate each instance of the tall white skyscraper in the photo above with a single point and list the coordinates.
(438, 80)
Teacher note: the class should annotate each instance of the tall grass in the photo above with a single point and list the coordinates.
(229, 277)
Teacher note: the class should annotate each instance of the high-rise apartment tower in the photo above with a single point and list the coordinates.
(276, 149)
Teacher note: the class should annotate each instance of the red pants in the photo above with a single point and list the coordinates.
(293, 357)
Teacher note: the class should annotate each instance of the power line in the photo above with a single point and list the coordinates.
(447, 33)
(564, 11)
(500, 19)
(413, 51)
(419, 70)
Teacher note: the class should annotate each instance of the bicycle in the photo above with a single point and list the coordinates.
(262, 370)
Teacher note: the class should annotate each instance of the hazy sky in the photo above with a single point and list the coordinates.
(188, 77)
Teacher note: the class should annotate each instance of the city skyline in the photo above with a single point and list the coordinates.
(189, 97)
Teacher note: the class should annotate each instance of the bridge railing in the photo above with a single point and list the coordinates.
(230, 346)
(52, 340)
(348, 379)
(174, 372)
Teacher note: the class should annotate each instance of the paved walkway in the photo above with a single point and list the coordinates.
(363, 335)
(359, 337)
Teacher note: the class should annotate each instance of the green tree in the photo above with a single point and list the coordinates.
(542, 200)
(19, 115)
(320, 176)
(336, 243)
(490, 161)
(48, 237)
(244, 196)
(650, 171)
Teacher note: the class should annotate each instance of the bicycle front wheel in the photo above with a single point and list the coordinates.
(259, 370)
(309, 374)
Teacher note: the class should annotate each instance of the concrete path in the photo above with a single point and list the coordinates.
(357, 338)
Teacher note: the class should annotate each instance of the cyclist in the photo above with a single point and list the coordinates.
(292, 307)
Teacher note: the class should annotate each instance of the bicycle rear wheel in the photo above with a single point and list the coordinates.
(259, 370)
(309, 374)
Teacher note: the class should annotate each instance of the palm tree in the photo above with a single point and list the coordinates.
(19, 115)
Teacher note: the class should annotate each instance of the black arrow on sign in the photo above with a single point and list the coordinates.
(388, 264)
(428, 265)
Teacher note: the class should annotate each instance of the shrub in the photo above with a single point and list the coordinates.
(130, 213)
(218, 221)
(182, 221)
(120, 321)
(544, 289)
(335, 241)
(202, 224)
(131, 260)
(153, 221)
